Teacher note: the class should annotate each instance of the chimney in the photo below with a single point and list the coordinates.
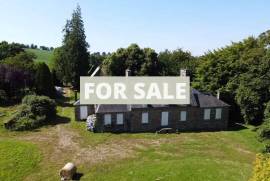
(128, 72)
(183, 72)
(218, 94)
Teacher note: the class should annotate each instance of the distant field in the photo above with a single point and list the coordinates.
(42, 55)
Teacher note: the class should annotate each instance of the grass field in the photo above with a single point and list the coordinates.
(204, 156)
(42, 55)
(18, 159)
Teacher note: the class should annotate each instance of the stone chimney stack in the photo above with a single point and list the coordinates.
(183, 73)
(128, 72)
(218, 94)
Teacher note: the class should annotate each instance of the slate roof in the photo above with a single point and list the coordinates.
(205, 100)
(111, 108)
(197, 99)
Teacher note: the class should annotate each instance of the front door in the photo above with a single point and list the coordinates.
(83, 112)
(164, 118)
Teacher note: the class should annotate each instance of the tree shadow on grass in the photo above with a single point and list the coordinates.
(59, 120)
(237, 127)
(77, 176)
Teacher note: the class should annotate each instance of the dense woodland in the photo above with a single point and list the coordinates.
(240, 71)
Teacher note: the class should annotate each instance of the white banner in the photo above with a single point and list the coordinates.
(135, 90)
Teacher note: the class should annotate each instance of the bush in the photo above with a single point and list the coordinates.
(43, 80)
(262, 168)
(264, 131)
(34, 112)
(267, 111)
(41, 105)
(266, 148)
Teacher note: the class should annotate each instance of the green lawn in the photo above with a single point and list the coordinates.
(42, 55)
(205, 156)
(190, 156)
(18, 159)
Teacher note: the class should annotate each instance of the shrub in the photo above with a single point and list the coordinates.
(34, 112)
(267, 111)
(266, 148)
(263, 132)
(262, 168)
(24, 119)
(43, 80)
(41, 105)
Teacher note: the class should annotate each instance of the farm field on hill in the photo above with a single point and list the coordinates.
(39, 154)
(42, 55)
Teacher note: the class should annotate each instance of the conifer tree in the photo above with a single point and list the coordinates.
(73, 61)
(43, 80)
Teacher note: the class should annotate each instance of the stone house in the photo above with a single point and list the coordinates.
(205, 112)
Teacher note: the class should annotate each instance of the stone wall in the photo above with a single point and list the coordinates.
(195, 120)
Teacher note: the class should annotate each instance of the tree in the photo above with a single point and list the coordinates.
(115, 64)
(58, 64)
(43, 80)
(9, 50)
(14, 81)
(151, 65)
(72, 60)
(241, 72)
(23, 60)
(173, 61)
(139, 61)
(96, 59)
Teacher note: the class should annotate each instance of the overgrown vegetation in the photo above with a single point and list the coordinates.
(34, 112)
(20, 75)
(241, 73)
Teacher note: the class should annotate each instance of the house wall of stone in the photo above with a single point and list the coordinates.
(114, 127)
(195, 120)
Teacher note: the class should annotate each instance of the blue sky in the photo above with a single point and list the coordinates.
(197, 26)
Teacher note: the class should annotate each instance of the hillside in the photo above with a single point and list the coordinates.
(42, 55)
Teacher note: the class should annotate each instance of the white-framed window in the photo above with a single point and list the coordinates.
(119, 118)
(218, 113)
(107, 119)
(83, 112)
(206, 115)
(183, 115)
(164, 118)
(145, 118)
